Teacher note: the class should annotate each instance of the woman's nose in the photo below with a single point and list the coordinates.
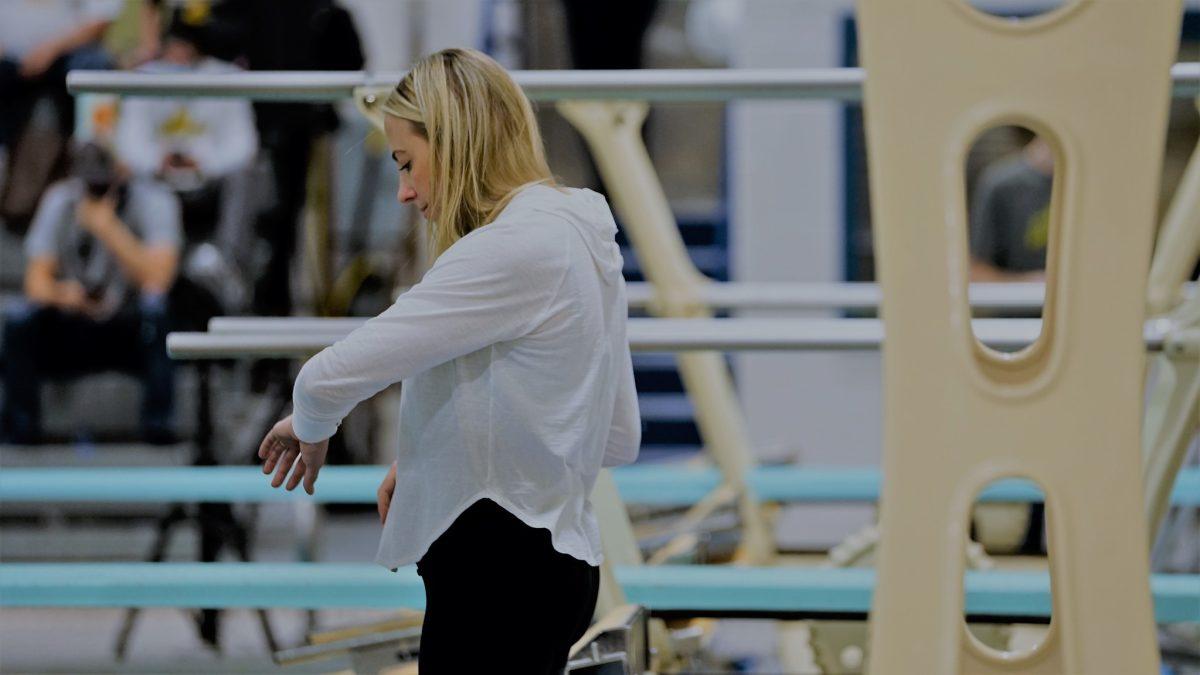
(406, 194)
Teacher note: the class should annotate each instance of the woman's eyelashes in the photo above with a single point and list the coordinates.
(406, 166)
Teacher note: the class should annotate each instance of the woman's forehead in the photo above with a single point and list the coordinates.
(399, 131)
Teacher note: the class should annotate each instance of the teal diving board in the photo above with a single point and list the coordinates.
(695, 590)
(647, 484)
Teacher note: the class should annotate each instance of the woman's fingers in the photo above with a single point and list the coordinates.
(282, 453)
(382, 503)
(313, 455)
(297, 473)
(306, 472)
(383, 496)
(275, 453)
(286, 459)
(271, 456)
(264, 448)
(310, 478)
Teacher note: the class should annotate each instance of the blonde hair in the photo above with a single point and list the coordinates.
(484, 142)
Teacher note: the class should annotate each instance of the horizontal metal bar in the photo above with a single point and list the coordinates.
(646, 484)
(267, 325)
(843, 84)
(767, 295)
(857, 296)
(667, 588)
(235, 337)
(539, 85)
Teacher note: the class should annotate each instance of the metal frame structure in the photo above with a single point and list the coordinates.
(686, 295)
(1066, 412)
(676, 85)
(862, 296)
(235, 337)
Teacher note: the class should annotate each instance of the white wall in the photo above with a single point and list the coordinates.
(787, 190)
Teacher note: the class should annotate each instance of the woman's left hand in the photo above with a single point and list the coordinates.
(281, 451)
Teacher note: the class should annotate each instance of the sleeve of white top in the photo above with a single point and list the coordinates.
(489, 287)
(625, 433)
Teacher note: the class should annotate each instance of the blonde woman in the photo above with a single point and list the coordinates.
(518, 385)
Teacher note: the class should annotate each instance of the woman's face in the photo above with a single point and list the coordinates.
(411, 152)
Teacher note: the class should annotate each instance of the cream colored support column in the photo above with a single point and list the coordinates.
(1172, 412)
(1093, 79)
(621, 549)
(612, 131)
(620, 544)
(1178, 240)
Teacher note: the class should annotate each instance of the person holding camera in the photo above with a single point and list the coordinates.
(101, 255)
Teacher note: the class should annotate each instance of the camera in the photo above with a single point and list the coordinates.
(99, 189)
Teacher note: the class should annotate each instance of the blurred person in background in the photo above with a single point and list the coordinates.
(40, 40)
(102, 253)
(608, 36)
(204, 149)
(1010, 216)
(294, 35)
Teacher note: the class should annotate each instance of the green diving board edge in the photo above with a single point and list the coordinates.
(643, 484)
(683, 589)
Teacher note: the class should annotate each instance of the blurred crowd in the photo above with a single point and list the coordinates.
(142, 215)
(148, 214)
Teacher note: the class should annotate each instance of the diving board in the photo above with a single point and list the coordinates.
(662, 485)
(676, 589)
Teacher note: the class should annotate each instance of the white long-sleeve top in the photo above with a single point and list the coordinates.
(518, 383)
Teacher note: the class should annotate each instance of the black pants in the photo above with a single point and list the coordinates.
(42, 342)
(500, 599)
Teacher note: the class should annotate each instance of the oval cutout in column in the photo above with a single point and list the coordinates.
(1007, 533)
(1017, 10)
(1011, 183)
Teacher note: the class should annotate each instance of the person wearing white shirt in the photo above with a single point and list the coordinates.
(518, 382)
(204, 148)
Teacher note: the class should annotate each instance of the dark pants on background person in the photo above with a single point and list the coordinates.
(46, 343)
(608, 35)
(289, 149)
(499, 598)
(19, 94)
(36, 145)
